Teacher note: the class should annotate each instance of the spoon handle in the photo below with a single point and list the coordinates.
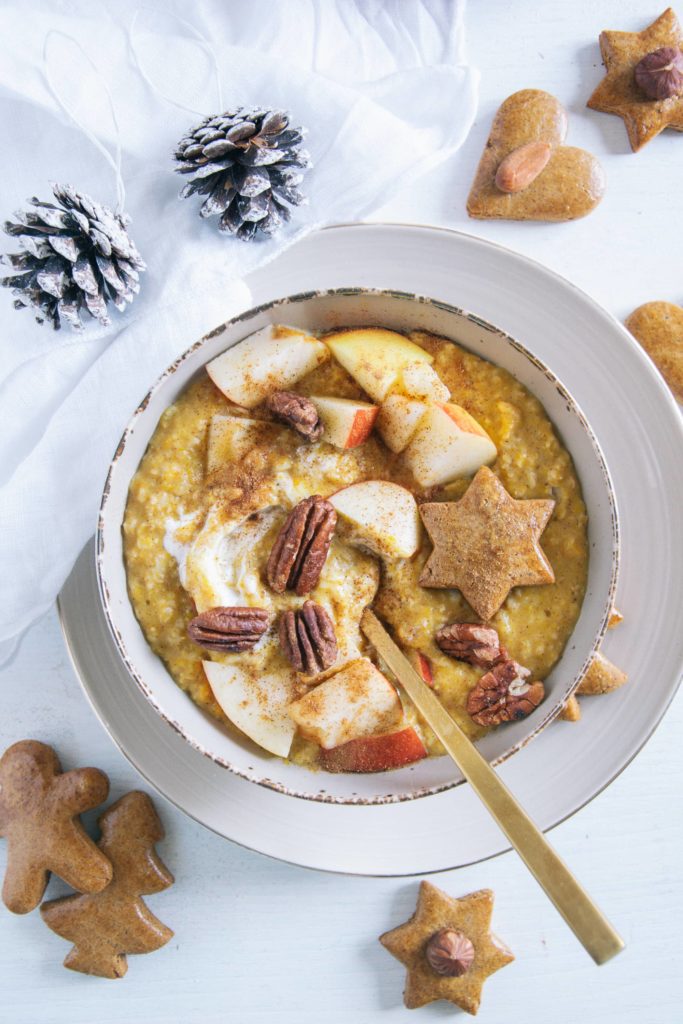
(585, 919)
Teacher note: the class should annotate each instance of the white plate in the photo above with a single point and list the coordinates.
(640, 430)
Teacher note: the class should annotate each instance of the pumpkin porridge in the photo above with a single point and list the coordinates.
(295, 483)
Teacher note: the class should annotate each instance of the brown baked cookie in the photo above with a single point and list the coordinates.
(658, 326)
(525, 173)
(602, 677)
(39, 808)
(448, 948)
(644, 80)
(571, 712)
(104, 927)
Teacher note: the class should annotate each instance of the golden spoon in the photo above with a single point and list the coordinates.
(587, 922)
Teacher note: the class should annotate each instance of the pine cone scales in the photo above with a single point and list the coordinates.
(76, 256)
(248, 164)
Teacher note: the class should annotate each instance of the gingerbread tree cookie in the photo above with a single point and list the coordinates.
(644, 80)
(39, 808)
(448, 948)
(106, 926)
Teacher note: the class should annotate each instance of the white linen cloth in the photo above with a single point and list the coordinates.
(385, 92)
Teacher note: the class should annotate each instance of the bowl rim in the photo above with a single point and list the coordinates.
(284, 301)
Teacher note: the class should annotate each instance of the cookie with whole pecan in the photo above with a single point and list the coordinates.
(302, 545)
(644, 80)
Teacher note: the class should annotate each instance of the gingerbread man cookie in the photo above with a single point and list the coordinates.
(526, 173)
(105, 926)
(644, 80)
(39, 808)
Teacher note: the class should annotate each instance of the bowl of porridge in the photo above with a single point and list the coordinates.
(285, 474)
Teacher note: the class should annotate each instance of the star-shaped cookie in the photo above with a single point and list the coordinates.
(618, 92)
(486, 543)
(459, 927)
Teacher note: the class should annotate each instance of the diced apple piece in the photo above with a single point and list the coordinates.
(448, 443)
(375, 357)
(383, 517)
(231, 437)
(256, 703)
(423, 666)
(269, 360)
(375, 753)
(358, 701)
(346, 423)
(420, 380)
(398, 419)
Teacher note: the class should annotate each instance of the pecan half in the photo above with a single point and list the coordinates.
(297, 412)
(473, 642)
(228, 630)
(307, 638)
(504, 695)
(301, 547)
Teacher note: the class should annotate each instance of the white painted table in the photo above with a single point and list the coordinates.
(260, 941)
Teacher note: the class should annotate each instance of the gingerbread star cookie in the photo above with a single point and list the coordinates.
(644, 80)
(39, 808)
(486, 543)
(448, 948)
(105, 926)
(658, 326)
(525, 173)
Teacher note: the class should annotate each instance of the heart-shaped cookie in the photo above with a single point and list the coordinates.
(658, 326)
(569, 185)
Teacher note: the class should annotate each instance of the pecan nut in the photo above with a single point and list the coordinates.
(297, 412)
(228, 630)
(301, 547)
(504, 695)
(449, 953)
(307, 638)
(473, 642)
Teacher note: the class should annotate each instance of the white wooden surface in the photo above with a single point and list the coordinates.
(261, 941)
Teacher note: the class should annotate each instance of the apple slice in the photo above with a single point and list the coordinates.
(229, 438)
(447, 443)
(375, 753)
(420, 380)
(423, 666)
(382, 517)
(346, 423)
(269, 360)
(357, 701)
(398, 419)
(256, 702)
(375, 357)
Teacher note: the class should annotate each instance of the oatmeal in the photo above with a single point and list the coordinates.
(215, 486)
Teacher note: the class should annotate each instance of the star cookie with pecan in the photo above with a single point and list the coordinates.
(448, 948)
(644, 80)
(486, 543)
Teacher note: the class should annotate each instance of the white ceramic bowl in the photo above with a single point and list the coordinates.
(323, 311)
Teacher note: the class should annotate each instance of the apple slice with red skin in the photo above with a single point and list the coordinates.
(423, 666)
(346, 423)
(375, 753)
